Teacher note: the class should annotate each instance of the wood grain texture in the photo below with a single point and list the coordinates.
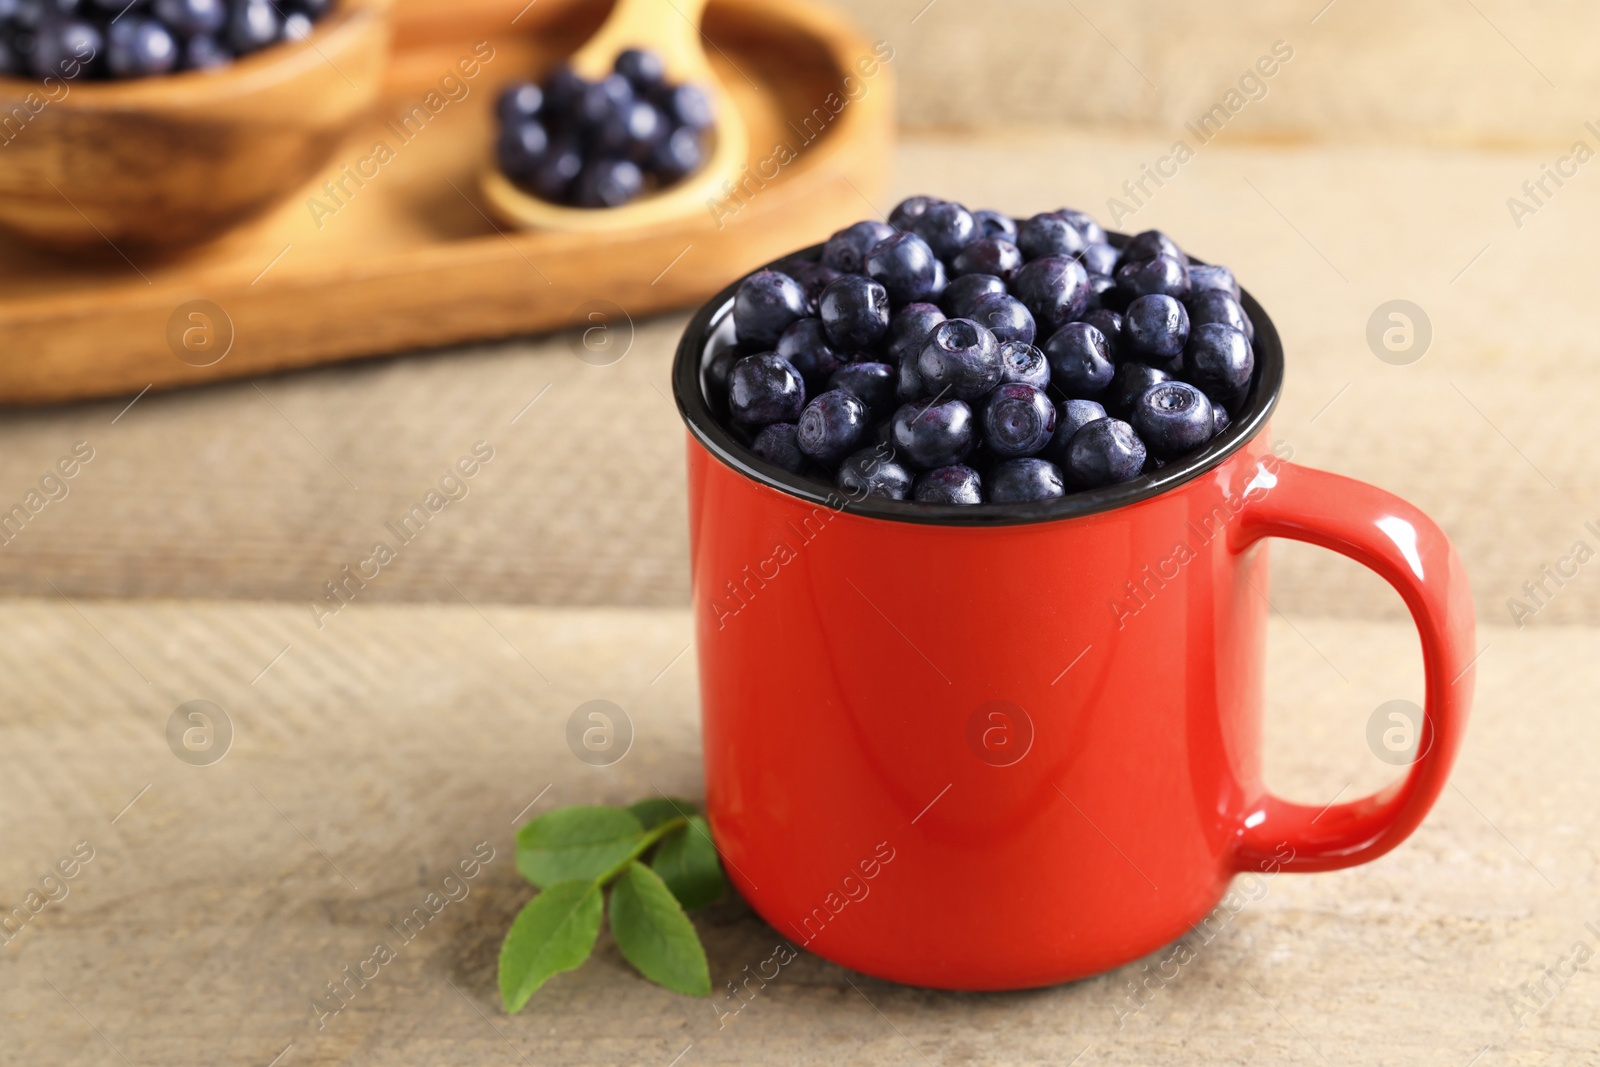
(408, 259)
(372, 758)
(232, 492)
(157, 163)
(1491, 74)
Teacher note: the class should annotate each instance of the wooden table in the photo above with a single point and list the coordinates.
(265, 489)
(373, 754)
(369, 758)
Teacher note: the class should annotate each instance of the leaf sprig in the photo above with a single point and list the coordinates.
(573, 855)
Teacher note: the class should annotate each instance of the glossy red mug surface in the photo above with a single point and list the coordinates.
(1008, 746)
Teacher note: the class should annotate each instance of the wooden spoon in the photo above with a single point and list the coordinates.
(671, 29)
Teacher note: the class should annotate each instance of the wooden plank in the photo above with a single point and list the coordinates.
(214, 492)
(372, 758)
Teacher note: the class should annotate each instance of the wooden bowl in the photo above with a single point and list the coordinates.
(169, 161)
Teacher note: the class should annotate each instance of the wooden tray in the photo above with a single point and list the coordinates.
(412, 259)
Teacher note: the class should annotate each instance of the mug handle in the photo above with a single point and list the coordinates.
(1411, 553)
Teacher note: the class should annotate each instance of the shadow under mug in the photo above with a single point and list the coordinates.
(1010, 745)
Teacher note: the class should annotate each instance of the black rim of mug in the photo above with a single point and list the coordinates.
(688, 390)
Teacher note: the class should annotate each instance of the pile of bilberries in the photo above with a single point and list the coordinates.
(73, 39)
(602, 143)
(903, 363)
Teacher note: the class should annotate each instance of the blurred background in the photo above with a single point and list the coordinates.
(1375, 164)
(1407, 188)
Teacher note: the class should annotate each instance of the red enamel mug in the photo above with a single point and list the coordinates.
(1011, 745)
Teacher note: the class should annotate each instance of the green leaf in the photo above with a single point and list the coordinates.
(657, 810)
(655, 935)
(687, 862)
(554, 932)
(574, 844)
